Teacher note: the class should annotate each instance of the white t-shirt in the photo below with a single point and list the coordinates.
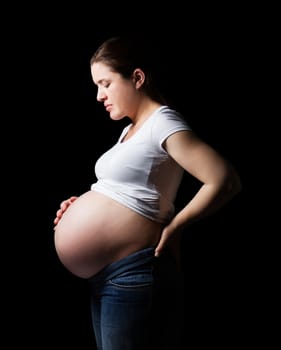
(138, 172)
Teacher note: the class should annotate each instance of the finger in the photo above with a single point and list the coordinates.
(160, 247)
(56, 220)
(59, 213)
(64, 205)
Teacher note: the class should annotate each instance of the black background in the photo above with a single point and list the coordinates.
(61, 130)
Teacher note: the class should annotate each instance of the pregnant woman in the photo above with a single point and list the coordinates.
(123, 234)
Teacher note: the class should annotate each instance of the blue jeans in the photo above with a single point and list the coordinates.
(133, 303)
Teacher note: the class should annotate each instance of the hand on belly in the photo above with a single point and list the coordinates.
(95, 230)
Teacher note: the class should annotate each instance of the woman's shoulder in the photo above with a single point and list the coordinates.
(169, 115)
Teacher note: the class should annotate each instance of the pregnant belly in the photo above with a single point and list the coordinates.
(96, 230)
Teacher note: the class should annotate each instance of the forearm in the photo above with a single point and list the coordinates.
(209, 199)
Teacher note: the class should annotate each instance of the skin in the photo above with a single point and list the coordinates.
(125, 98)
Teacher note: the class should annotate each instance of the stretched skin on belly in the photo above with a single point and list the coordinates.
(96, 230)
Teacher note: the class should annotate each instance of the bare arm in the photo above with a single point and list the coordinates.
(220, 181)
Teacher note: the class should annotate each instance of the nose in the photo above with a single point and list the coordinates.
(100, 95)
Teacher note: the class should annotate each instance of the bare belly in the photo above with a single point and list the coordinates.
(96, 230)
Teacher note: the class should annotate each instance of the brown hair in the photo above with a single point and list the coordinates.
(123, 55)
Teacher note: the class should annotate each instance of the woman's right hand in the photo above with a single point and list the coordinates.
(63, 207)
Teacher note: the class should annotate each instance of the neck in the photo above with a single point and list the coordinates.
(146, 108)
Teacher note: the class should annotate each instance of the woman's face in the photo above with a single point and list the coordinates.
(120, 96)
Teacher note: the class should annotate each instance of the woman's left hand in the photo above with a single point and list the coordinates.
(170, 237)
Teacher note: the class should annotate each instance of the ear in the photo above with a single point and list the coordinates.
(138, 77)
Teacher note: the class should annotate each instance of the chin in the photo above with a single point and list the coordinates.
(116, 117)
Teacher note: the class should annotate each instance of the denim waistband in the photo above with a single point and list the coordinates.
(131, 261)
